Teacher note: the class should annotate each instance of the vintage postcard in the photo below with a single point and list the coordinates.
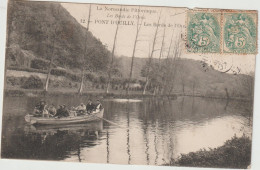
(123, 84)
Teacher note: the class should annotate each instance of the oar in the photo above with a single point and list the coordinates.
(109, 121)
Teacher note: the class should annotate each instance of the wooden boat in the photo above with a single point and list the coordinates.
(64, 120)
(53, 129)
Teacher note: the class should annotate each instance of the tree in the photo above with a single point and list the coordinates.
(85, 51)
(151, 55)
(159, 75)
(138, 27)
(173, 64)
(110, 67)
(52, 53)
(166, 65)
(246, 83)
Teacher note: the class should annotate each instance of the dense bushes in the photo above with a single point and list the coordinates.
(39, 64)
(33, 82)
(235, 153)
(61, 72)
(63, 84)
(54, 71)
(90, 77)
(14, 81)
(96, 81)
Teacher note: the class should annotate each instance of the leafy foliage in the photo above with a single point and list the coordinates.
(61, 72)
(48, 30)
(39, 64)
(33, 82)
(235, 153)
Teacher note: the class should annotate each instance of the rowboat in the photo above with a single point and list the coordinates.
(64, 120)
(72, 128)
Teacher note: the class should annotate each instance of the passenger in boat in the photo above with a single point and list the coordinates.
(99, 106)
(62, 111)
(81, 109)
(39, 108)
(65, 111)
(90, 106)
(59, 112)
(45, 112)
(52, 110)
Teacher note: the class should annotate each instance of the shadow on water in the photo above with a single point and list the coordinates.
(154, 131)
(50, 142)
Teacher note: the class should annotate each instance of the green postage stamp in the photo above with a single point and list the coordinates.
(222, 31)
(240, 35)
(203, 32)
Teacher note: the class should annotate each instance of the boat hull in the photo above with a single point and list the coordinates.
(66, 120)
(72, 128)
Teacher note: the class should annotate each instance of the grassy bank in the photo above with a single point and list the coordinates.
(15, 92)
(235, 153)
(20, 82)
(18, 92)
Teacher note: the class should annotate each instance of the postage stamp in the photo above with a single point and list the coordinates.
(240, 34)
(203, 32)
(221, 31)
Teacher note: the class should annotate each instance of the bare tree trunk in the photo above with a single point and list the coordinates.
(174, 64)
(161, 50)
(154, 91)
(152, 52)
(227, 93)
(47, 81)
(138, 27)
(50, 65)
(48, 75)
(81, 83)
(85, 51)
(112, 55)
(167, 63)
(183, 88)
(160, 57)
(193, 87)
(52, 57)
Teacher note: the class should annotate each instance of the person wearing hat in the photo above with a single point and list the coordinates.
(90, 106)
(99, 106)
(39, 108)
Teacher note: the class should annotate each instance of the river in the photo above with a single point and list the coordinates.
(148, 131)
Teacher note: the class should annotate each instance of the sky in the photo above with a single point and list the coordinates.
(172, 21)
(126, 33)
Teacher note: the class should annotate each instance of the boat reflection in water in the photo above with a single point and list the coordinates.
(66, 140)
(82, 128)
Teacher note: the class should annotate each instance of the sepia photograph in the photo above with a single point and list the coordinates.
(129, 84)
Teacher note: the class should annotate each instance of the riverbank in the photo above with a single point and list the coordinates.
(235, 153)
(72, 92)
(30, 82)
(19, 92)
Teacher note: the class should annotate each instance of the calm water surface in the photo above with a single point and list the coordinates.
(148, 132)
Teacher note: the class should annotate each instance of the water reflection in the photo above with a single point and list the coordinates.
(107, 142)
(150, 132)
(128, 136)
